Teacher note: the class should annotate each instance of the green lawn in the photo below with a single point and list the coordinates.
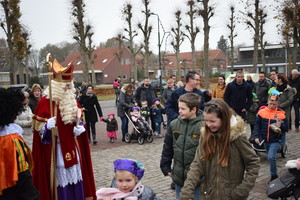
(106, 98)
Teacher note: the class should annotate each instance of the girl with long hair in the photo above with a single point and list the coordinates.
(224, 159)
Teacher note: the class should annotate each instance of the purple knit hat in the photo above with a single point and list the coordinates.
(135, 108)
(130, 165)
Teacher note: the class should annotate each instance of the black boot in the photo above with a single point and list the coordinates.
(273, 178)
(123, 138)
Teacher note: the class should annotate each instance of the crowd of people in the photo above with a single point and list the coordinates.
(204, 145)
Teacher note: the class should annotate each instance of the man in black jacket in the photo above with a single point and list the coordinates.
(294, 81)
(238, 95)
(146, 93)
(261, 88)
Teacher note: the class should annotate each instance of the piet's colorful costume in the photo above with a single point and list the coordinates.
(73, 166)
(16, 163)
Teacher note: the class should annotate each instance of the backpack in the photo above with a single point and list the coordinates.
(285, 186)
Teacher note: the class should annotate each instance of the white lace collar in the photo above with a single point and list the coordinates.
(10, 129)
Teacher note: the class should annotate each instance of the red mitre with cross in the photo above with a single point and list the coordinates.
(62, 74)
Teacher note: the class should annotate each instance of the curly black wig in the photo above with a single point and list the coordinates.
(11, 104)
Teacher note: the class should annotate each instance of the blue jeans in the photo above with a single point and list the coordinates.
(157, 127)
(283, 138)
(271, 149)
(196, 192)
(124, 125)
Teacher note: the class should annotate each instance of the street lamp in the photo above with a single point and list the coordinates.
(159, 46)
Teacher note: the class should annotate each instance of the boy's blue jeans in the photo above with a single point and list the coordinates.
(271, 149)
(196, 192)
(157, 127)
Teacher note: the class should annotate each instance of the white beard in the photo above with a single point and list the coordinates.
(65, 100)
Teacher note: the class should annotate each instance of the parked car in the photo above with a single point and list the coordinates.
(155, 83)
(23, 87)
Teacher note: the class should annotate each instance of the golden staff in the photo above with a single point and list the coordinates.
(53, 188)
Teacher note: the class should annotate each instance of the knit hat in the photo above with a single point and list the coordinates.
(156, 99)
(109, 114)
(130, 165)
(135, 108)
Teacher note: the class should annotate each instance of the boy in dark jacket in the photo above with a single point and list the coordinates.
(272, 135)
(145, 110)
(181, 141)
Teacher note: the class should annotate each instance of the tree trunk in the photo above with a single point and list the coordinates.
(178, 67)
(294, 57)
(21, 71)
(205, 54)
(193, 56)
(256, 36)
(94, 82)
(85, 68)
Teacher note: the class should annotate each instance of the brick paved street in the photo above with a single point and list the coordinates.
(104, 153)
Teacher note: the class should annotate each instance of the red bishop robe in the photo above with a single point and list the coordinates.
(42, 152)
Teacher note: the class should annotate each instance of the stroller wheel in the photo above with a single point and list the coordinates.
(127, 138)
(141, 140)
(284, 151)
(149, 138)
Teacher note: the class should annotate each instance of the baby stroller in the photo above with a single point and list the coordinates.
(137, 134)
(285, 186)
(259, 148)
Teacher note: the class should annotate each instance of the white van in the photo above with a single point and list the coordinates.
(254, 76)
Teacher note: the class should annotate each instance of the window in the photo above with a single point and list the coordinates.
(127, 61)
(167, 73)
(78, 63)
(104, 61)
(124, 76)
(4, 77)
(182, 73)
(175, 72)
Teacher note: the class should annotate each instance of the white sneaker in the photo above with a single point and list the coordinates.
(159, 135)
(155, 133)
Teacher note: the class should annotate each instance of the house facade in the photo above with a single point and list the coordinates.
(216, 58)
(276, 57)
(5, 75)
(106, 65)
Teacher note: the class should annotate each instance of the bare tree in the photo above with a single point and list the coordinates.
(192, 29)
(206, 11)
(119, 53)
(252, 20)
(83, 35)
(131, 34)
(262, 43)
(33, 61)
(231, 26)
(12, 29)
(146, 29)
(178, 39)
(290, 28)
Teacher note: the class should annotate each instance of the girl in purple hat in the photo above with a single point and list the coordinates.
(127, 183)
(111, 126)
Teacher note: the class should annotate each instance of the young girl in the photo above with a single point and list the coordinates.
(111, 127)
(157, 111)
(127, 183)
(224, 159)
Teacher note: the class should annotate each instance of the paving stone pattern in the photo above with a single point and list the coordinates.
(104, 153)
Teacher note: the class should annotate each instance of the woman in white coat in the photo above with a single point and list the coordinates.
(24, 119)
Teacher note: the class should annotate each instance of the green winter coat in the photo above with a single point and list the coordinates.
(233, 182)
(181, 142)
(286, 99)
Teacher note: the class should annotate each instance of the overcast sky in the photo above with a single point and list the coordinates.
(49, 21)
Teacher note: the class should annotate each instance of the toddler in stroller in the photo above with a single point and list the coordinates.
(141, 128)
